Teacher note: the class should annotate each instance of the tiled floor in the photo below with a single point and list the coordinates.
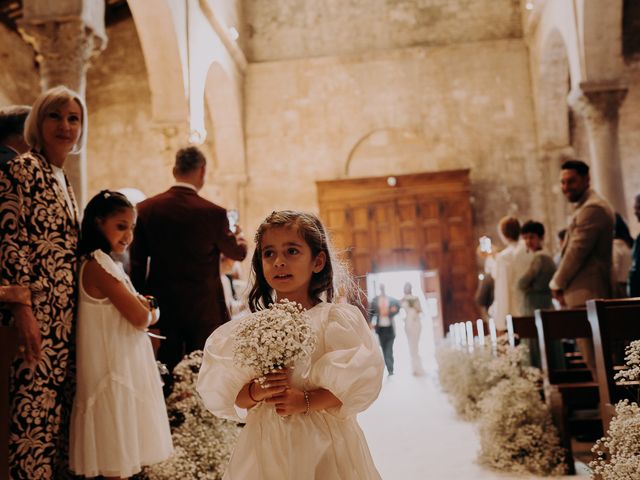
(413, 433)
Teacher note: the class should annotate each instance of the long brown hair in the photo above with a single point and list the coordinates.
(314, 234)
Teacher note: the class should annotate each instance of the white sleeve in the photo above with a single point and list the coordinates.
(352, 367)
(220, 380)
(109, 265)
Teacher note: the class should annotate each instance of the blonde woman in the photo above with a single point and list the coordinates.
(39, 219)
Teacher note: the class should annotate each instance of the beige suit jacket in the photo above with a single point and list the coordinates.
(585, 268)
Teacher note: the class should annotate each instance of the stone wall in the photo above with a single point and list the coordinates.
(19, 80)
(400, 111)
(285, 29)
(126, 148)
(629, 134)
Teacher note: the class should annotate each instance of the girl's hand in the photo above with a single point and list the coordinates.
(274, 384)
(289, 401)
(151, 304)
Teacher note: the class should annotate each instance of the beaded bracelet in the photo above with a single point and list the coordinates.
(249, 392)
(306, 401)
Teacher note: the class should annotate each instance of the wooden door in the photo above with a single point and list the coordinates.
(424, 222)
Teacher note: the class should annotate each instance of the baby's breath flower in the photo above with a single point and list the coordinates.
(617, 455)
(202, 442)
(501, 393)
(274, 338)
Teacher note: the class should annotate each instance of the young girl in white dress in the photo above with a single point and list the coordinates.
(119, 419)
(302, 423)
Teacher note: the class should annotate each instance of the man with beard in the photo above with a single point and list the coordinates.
(585, 268)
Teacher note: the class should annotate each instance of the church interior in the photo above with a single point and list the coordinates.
(411, 127)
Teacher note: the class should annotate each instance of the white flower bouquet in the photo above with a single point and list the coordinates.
(618, 453)
(274, 338)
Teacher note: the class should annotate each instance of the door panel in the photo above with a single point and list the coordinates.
(423, 223)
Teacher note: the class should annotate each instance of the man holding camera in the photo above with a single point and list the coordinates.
(175, 256)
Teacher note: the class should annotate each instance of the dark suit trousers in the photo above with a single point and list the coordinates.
(386, 335)
(181, 342)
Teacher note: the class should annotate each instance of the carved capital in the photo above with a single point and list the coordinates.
(597, 105)
(64, 50)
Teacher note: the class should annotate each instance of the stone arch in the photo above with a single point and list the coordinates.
(554, 83)
(159, 40)
(388, 151)
(225, 111)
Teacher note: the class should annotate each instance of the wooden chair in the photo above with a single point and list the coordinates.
(8, 350)
(615, 323)
(566, 391)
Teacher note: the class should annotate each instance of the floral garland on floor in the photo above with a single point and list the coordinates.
(202, 442)
(618, 453)
(465, 377)
(502, 395)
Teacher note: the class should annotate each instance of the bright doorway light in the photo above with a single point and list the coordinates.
(394, 287)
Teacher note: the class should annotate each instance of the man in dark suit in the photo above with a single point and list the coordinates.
(382, 309)
(175, 256)
(12, 141)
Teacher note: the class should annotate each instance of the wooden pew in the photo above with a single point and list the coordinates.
(8, 350)
(566, 391)
(615, 323)
(521, 327)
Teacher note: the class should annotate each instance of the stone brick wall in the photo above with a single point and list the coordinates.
(629, 135)
(285, 29)
(126, 148)
(400, 111)
(19, 80)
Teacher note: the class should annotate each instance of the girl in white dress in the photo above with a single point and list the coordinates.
(302, 423)
(119, 419)
(413, 327)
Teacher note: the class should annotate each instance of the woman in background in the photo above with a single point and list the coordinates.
(413, 327)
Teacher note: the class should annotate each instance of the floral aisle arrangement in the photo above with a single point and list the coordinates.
(502, 394)
(618, 453)
(515, 427)
(202, 442)
(464, 376)
(274, 338)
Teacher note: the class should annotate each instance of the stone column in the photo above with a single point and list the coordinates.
(598, 104)
(66, 36)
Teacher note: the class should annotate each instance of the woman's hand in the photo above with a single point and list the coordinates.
(29, 338)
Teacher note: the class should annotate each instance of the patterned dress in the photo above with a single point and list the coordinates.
(38, 250)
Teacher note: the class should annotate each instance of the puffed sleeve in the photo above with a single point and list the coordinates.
(352, 366)
(220, 380)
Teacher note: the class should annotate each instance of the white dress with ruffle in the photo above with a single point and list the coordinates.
(326, 444)
(119, 419)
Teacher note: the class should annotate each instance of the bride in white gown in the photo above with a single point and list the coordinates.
(413, 327)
